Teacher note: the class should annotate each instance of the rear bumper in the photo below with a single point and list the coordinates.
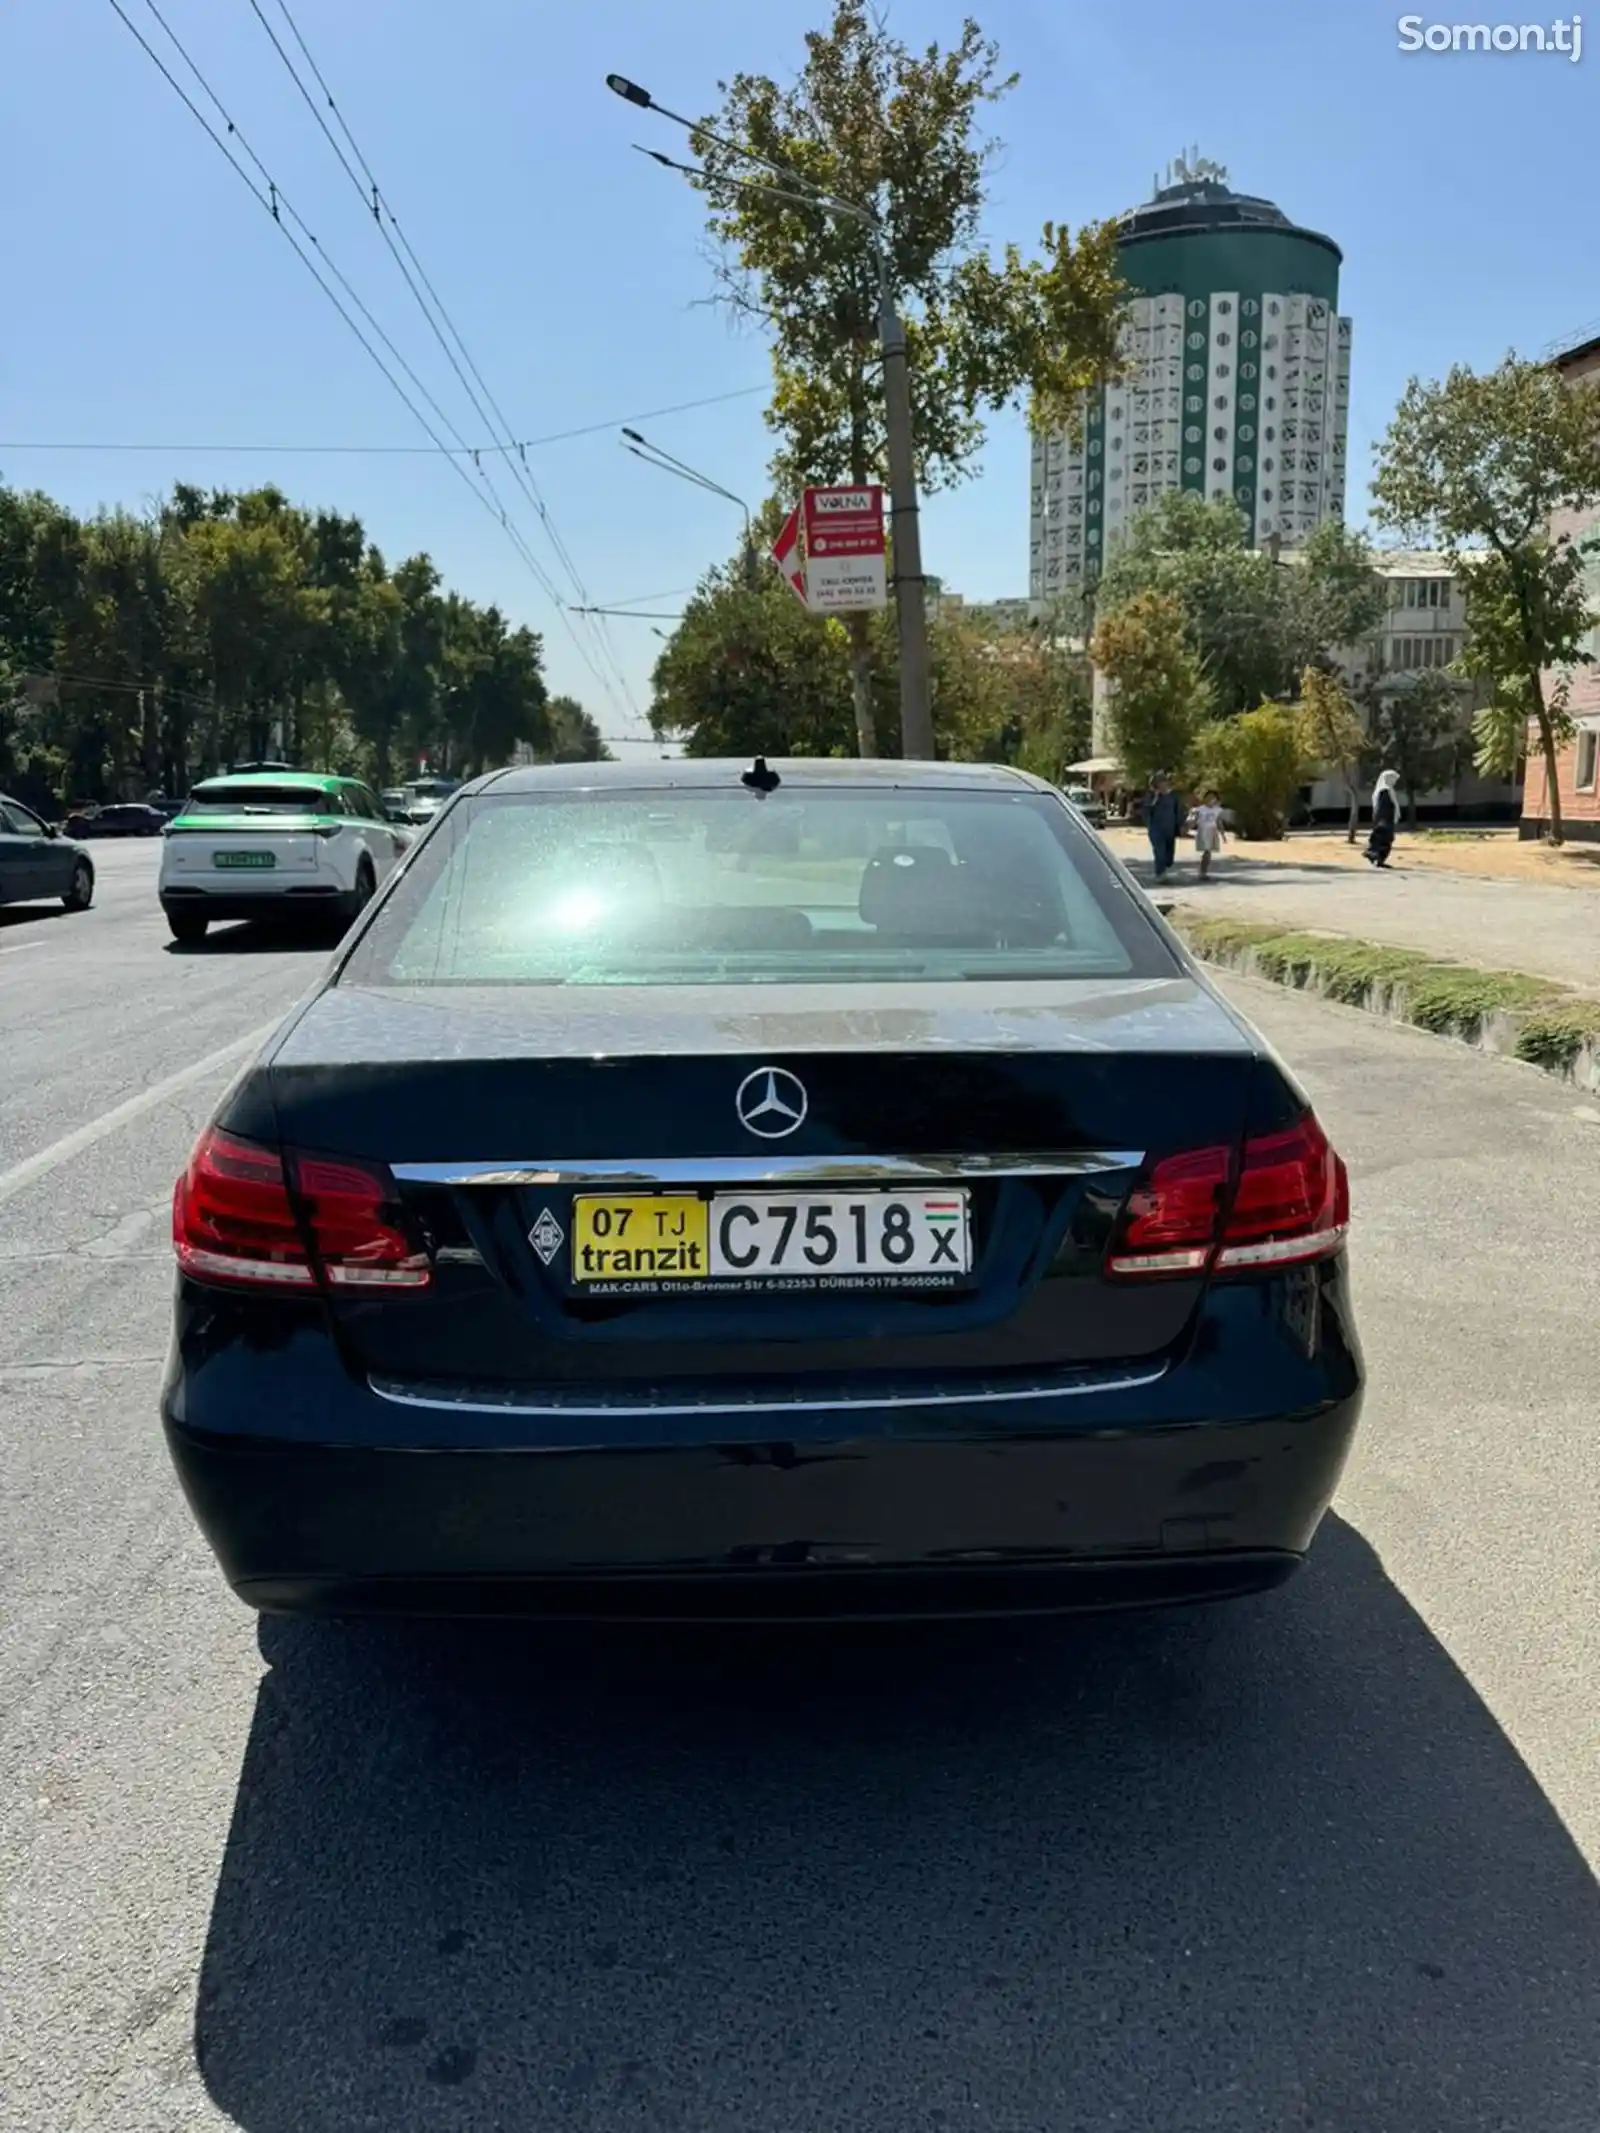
(309, 900)
(892, 1594)
(1098, 1501)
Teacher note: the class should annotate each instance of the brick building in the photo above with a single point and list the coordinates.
(1578, 766)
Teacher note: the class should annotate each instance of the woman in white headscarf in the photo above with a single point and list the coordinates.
(1385, 818)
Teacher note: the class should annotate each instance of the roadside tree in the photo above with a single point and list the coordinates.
(1480, 466)
(574, 736)
(1415, 723)
(1028, 700)
(1257, 761)
(1334, 733)
(868, 119)
(1233, 601)
(139, 652)
(1256, 621)
(1336, 599)
(1158, 691)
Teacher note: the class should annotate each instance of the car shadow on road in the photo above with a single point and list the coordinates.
(1241, 873)
(255, 937)
(1273, 1866)
(15, 916)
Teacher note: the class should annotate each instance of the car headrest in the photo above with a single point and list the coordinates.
(910, 889)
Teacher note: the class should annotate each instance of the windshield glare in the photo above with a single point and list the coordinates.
(686, 887)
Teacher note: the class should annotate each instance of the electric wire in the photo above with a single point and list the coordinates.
(432, 307)
(273, 200)
(403, 451)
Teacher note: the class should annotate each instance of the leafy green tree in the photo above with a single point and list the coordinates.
(1234, 603)
(143, 651)
(41, 576)
(1257, 761)
(41, 561)
(243, 578)
(1415, 721)
(1481, 465)
(749, 672)
(1335, 597)
(1255, 620)
(869, 120)
(1028, 698)
(1159, 692)
(1540, 594)
(1335, 734)
(494, 688)
(574, 736)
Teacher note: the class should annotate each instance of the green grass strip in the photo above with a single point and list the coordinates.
(1555, 1032)
(1450, 999)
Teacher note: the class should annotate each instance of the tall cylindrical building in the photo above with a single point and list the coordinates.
(1238, 383)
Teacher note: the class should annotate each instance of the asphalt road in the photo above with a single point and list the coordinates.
(1309, 1864)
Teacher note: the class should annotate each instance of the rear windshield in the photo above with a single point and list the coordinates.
(822, 886)
(272, 799)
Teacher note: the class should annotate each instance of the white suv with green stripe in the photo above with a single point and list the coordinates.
(275, 844)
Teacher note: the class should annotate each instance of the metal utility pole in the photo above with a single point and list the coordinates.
(911, 614)
(905, 527)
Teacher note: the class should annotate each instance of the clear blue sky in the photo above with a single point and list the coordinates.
(151, 301)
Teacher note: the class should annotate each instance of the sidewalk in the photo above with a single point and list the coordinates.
(1313, 884)
(1480, 854)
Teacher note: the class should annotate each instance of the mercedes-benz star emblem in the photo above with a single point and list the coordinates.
(771, 1102)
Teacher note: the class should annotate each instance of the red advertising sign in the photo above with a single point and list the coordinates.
(786, 554)
(844, 521)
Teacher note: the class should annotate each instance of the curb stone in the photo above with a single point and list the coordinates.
(1501, 1032)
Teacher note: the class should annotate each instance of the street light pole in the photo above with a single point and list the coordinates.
(654, 456)
(911, 614)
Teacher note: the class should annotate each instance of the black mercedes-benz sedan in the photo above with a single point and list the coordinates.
(705, 1190)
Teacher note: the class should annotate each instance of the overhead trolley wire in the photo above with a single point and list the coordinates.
(402, 451)
(443, 327)
(273, 201)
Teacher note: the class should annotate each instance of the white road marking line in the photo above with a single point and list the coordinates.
(37, 1166)
(21, 948)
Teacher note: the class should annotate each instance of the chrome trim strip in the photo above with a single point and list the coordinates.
(464, 1403)
(770, 1169)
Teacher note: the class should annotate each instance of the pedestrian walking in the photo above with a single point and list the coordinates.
(1208, 838)
(1163, 818)
(1385, 817)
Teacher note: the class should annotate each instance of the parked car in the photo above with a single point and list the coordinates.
(275, 844)
(423, 797)
(1089, 804)
(917, 1231)
(132, 818)
(37, 863)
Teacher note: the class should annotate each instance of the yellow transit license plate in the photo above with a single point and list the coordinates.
(640, 1237)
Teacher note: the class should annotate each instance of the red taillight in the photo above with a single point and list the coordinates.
(1293, 1200)
(234, 1221)
(1170, 1223)
(354, 1220)
(1285, 1199)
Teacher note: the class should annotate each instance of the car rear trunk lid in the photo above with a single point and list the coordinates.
(1026, 1116)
